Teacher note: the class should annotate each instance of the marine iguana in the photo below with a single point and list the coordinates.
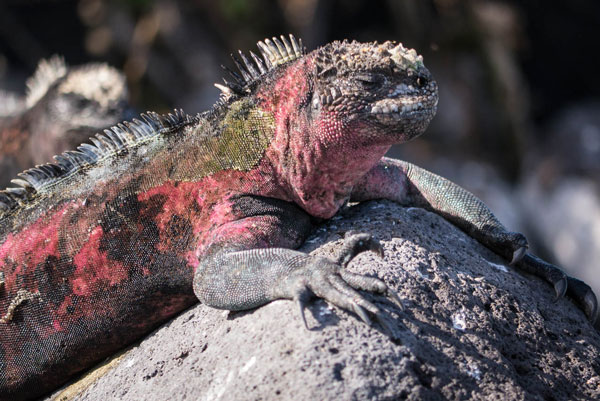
(63, 106)
(122, 234)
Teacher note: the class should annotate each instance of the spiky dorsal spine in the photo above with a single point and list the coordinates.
(274, 53)
(47, 73)
(114, 140)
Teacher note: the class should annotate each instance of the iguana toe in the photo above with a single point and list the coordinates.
(302, 297)
(547, 271)
(370, 284)
(584, 296)
(508, 244)
(515, 246)
(355, 244)
(334, 290)
(351, 293)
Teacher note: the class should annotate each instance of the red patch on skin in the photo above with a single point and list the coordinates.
(94, 269)
(32, 245)
(207, 204)
(193, 259)
(187, 200)
(179, 199)
(56, 325)
(253, 231)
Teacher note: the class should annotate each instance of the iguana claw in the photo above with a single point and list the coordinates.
(560, 288)
(395, 298)
(592, 305)
(362, 314)
(355, 244)
(302, 297)
(518, 255)
(583, 294)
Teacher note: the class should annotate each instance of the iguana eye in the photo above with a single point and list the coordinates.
(422, 82)
(369, 80)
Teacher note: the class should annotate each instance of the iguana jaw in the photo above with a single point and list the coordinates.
(404, 102)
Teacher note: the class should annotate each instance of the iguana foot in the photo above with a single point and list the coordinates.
(329, 280)
(353, 245)
(514, 245)
(579, 291)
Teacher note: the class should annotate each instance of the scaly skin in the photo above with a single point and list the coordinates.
(63, 107)
(120, 237)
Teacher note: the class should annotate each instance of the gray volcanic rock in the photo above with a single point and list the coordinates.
(472, 328)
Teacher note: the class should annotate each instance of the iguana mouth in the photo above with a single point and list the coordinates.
(398, 108)
(403, 100)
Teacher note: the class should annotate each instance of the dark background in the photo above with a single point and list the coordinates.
(519, 112)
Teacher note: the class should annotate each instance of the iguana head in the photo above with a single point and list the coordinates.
(359, 92)
(94, 95)
(381, 93)
(66, 105)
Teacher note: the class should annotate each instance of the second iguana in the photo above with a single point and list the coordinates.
(63, 106)
(122, 234)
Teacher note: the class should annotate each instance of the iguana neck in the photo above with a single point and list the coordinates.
(325, 174)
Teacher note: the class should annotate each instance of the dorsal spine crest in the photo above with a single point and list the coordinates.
(275, 52)
(47, 73)
(114, 140)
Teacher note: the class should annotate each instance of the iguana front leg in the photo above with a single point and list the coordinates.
(410, 185)
(248, 263)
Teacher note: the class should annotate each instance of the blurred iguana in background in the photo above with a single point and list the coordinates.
(63, 106)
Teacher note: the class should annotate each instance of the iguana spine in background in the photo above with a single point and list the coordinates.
(119, 236)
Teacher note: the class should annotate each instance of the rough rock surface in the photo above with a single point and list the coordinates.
(472, 328)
